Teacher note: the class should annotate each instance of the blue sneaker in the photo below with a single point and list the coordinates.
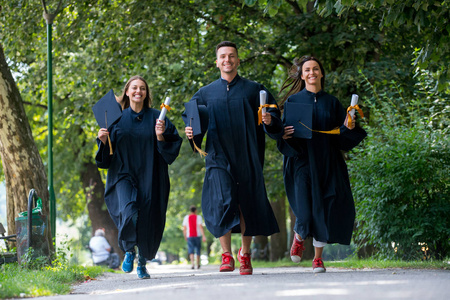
(128, 262)
(142, 272)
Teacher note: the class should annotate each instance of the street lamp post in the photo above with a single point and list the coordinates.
(49, 17)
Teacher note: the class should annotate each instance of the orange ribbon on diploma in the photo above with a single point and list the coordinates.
(354, 107)
(164, 108)
(261, 109)
(163, 105)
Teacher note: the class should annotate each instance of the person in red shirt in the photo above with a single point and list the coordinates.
(193, 234)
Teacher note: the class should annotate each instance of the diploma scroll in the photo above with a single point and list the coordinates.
(162, 115)
(352, 104)
(263, 100)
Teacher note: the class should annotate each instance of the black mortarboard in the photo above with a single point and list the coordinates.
(299, 115)
(107, 111)
(196, 116)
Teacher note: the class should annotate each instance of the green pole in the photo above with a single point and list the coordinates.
(50, 131)
(49, 18)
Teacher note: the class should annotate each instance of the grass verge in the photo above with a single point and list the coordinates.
(17, 281)
(359, 264)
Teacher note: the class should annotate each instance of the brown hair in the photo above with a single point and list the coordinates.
(124, 100)
(294, 83)
(226, 44)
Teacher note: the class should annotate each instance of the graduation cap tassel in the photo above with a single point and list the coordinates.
(199, 150)
(333, 131)
(109, 140)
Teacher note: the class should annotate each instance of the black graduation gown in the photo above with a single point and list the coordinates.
(315, 173)
(138, 180)
(234, 165)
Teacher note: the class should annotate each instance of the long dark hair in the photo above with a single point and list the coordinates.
(294, 83)
(125, 100)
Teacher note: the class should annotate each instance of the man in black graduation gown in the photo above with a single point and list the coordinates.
(234, 197)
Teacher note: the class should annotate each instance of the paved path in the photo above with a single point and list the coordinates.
(180, 282)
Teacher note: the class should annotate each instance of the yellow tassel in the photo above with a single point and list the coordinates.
(333, 131)
(200, 151)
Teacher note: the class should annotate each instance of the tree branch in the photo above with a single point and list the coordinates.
(294, 4)
(35, 105)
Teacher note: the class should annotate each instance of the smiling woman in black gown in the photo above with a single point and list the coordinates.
(137, 185)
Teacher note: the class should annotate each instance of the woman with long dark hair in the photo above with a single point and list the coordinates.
(315, 174)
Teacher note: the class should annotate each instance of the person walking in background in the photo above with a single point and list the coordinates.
(102, 252)
(315, 174)
(234, 197)
(137, 185)
(194, 235)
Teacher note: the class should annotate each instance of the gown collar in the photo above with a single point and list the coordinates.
(138, 115)
(233, 82)
(318, 94)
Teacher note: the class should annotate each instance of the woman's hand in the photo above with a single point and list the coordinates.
(160, 127)
(352, 123)
(267, 118)
(189, 132)
(288, 132)
(103, 135)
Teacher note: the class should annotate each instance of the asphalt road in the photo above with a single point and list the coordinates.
(180, 282)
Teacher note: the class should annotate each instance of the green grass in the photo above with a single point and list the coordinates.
(359, 264)
(17, 281)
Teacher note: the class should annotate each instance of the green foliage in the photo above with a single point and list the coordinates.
(98, 45)
(428, 19)
(401, 177)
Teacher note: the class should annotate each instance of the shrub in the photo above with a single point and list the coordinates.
(400, 179)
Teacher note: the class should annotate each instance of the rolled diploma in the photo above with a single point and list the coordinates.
(263, 99)
(353, 103)
(162, 115)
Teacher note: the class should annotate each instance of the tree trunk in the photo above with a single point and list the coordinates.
(278, 241)
(260, 245)
(22, 164)
(98, 213)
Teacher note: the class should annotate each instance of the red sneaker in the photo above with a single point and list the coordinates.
(246, 263)
(227, 263)
(318, 266)
(297, 250)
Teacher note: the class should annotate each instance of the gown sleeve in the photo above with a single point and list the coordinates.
(103, 158)
(170, 147)
(349, 139)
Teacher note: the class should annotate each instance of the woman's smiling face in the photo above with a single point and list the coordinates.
(312, 74)
(137, 91)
